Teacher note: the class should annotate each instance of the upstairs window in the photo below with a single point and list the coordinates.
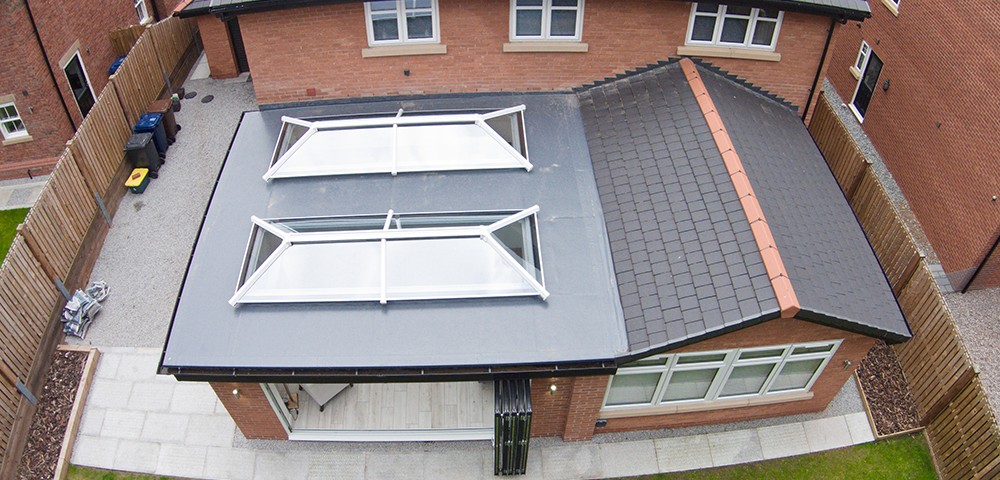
(401, 21)
(404, 142)
(392, 257)
(733, 26)
(546, 19)
(10, 122)
(140, 10)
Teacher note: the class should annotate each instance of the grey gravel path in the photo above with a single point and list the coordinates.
(147, 249)
(977, 315)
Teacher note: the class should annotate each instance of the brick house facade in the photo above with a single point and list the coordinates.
(33, 80)
(936, 123)
(322, 52)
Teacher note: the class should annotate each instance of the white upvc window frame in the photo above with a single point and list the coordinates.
(141, 11)
(290, 238)
(401, 26)
(720, 16)
(892, 5)
(546, 8)
(864, 51)
(725, 367)
(7, 124)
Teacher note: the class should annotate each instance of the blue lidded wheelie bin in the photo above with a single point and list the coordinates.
(153, 123)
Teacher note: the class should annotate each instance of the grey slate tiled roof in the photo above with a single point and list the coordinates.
(830, 263)
(685, 258)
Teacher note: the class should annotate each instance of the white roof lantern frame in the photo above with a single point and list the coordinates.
(512, 157)
(385, 235)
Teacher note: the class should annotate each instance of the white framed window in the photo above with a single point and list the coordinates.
(392, 22)
(859, 64)
(10, 122)
(140, 11)
(718, 375)
(546, 19)
(733, 26)
(392, 257)
(892, 5)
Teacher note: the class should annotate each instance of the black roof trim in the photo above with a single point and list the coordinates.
(385, 375)
(850, 326)
(237, 7)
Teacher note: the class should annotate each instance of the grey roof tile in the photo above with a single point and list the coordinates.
(662, 178)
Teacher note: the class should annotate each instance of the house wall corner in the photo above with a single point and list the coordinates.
(250, 410)
(218, 48)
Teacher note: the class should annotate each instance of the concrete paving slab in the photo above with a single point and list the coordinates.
(210, 431)
(779, 441)
(181, 461)
(342, 466)
(165, 427)
(230, 463)
(135, 456)
(120, 423)
(572, 461)
(683, 453)
(107, 366)
(729, 448)
(94, 451)
(109, 394)
(389, 465)
(91, 421)
(151, 396)
(827, 434)
(629, 458)
(136, 366)
(193, 398)
(455, 465)
(280, 466)
(859, 427)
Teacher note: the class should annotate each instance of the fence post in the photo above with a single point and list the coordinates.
(856, 181)
(907, 275)
(35, 250)
(963, 381)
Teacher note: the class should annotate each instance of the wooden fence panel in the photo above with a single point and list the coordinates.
(139, 80)
(123, 39)
(172, 37)
(890, 240)
(965, 438)
(27, 297)
(97, 147)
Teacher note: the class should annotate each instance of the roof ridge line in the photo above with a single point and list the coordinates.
(788, 302)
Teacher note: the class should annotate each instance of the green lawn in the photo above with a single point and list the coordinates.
(904, 457)
(84, 473)
(9, 219)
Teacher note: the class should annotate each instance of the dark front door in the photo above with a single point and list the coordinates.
(79, 83)
(867, 84)
(239, 51)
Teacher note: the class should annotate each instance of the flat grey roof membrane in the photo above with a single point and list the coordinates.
(580, 320)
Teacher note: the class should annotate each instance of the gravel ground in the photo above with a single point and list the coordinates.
(146, 251)
(977, 315)
(888, 183)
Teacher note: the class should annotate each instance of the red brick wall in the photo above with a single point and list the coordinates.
(548, 408)
(218, 49)
(251, 411)
(291, 52)
(936, 126)
(25, 74)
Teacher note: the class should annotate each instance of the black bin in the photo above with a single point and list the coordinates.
(153, 123)
(141, 153)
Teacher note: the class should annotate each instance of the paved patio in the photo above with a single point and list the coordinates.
(138, 421)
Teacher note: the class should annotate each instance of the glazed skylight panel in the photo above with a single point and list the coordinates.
(401, 143)
(392, 257)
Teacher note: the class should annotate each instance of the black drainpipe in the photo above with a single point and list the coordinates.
(819, 69)
(156, 11)
(48, 65)
(981, 265)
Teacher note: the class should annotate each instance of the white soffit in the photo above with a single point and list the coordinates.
(401, 143)
(351, 261)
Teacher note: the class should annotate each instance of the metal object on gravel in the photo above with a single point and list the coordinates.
(207, 98)
(190, 95)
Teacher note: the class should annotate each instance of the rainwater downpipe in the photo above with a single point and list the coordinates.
(981, 265)
(48, 65)
(819, 69)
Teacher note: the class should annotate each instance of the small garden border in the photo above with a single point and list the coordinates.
(871, 419)
(69, 438)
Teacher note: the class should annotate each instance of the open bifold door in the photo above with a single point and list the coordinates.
(513, 426)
